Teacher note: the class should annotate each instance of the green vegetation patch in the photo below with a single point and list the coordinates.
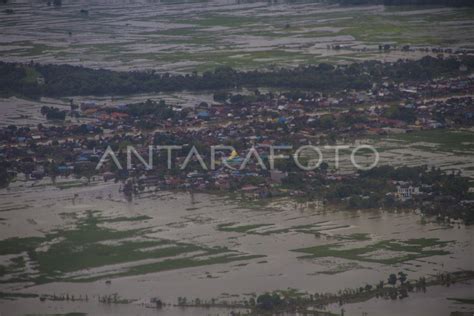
(68, 254)
(314, 229)
(31, 75)
(14, 208)
(16, 265)
(340, 268)
(229, 227)
(461, 300)
(5, 295)
(355, 237)
(444, 140)
(408, 250)
(317, 228)
(138, 218)
(71, 184)
(180, 263)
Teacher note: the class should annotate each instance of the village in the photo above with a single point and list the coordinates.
(236, 122)
(237, 157)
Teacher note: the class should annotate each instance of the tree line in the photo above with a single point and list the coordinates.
(67, 80)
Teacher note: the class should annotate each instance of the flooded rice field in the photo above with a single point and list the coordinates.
(89, 242)
(24, 112)
(433, 303)
(188, 36)
(176, 244)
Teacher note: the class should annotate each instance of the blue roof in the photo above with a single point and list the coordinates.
(82, 158)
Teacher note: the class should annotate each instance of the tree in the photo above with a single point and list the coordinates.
(53, 113)
(53, 171)
(324, 167)
(268, 301)
(73, 105)
(220, 96)
(86, 170)
(402, 277)
(264, 301)
(5, 176)
(252, 301)
(380, 285)
(392, 279)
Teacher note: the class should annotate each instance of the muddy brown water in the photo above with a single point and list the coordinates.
(194, 218)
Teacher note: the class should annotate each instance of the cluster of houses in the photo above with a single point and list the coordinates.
(285, 119)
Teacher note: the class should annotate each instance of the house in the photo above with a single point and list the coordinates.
(203, 115)
(88, 105)
(406, 192)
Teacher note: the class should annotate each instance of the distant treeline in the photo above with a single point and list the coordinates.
(454, 3)
(36, 80)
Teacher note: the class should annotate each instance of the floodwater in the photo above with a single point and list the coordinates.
(434, 302)
(27, 113)
(28, 210)
(181, 37)
(186, 36)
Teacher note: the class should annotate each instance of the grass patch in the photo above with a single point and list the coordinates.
(461, 300)
(341, 268)
(70, 185)
(138, 218)
(14, 208)
(405, 250)
(89, 245)
(180, 263)
(229, 227)
(355, 237)
(316, 229)
(446, 140)
(4, 295)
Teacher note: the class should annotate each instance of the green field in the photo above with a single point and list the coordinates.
(399, 251)
(65, 253)
(443, 140)
(184, 37)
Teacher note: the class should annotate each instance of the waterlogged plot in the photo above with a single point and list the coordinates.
(248, 229)
(451, 141)
(90, 250)
(383, 252)
(445, 149)
(183, 37)
(316, 229)
(334, 268)
(167, 239)
(80, 240)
